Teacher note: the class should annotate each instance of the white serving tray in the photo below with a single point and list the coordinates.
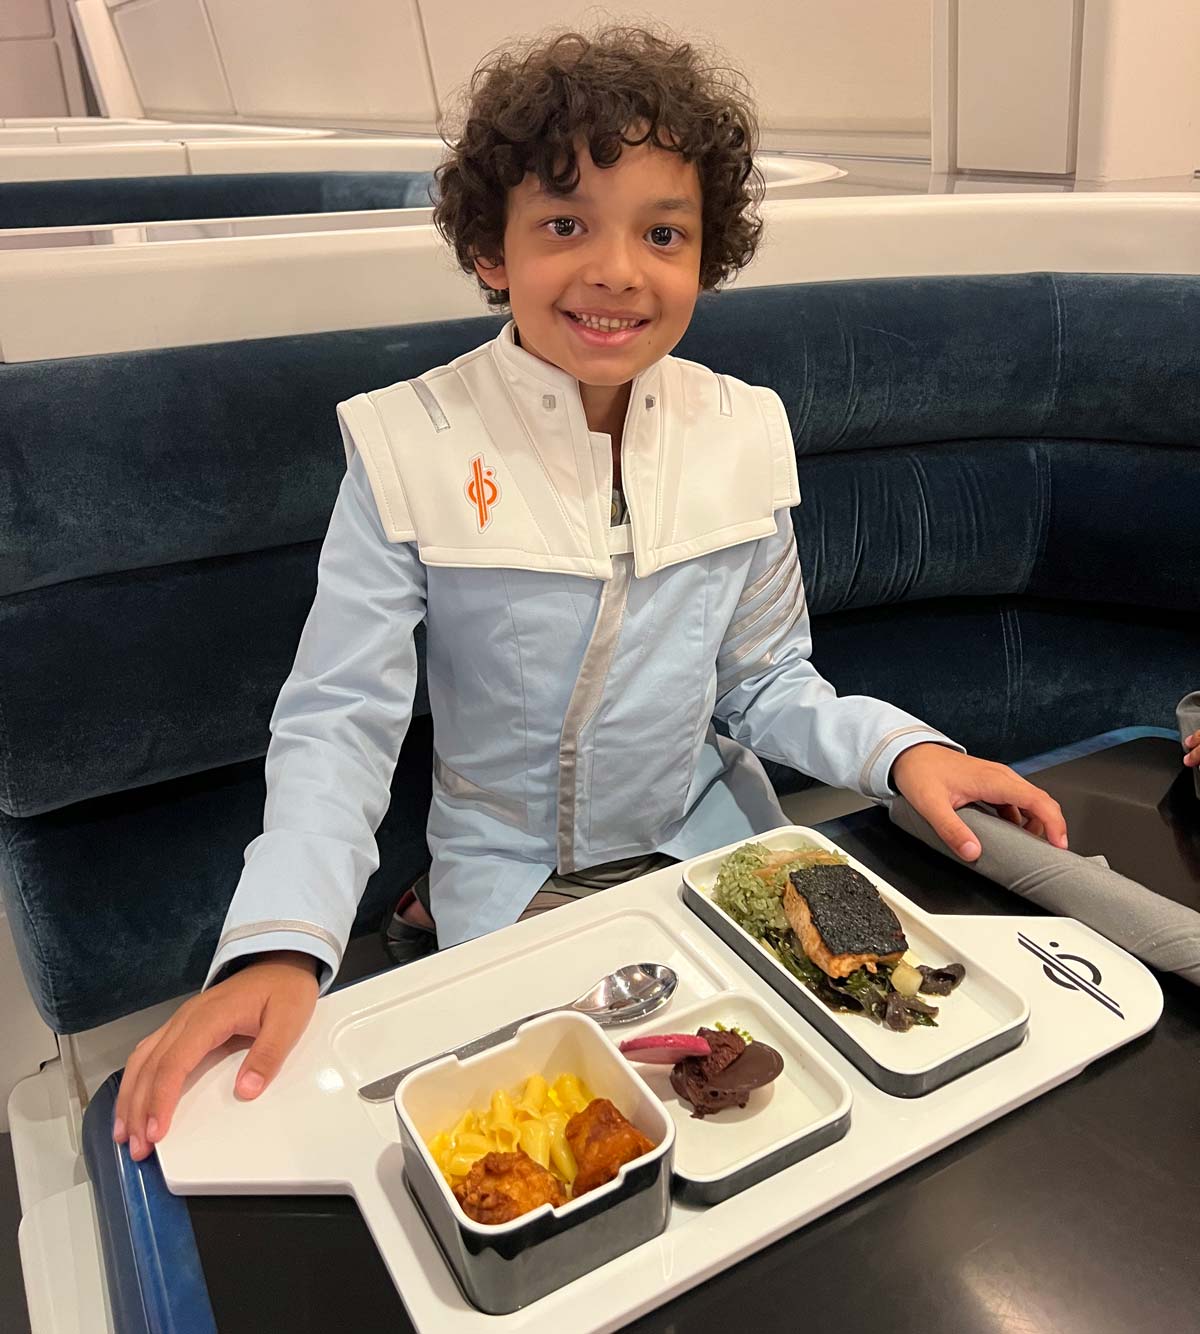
(981, 1019)
(310, 1133)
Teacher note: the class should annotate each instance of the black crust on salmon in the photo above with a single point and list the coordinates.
(847, 911)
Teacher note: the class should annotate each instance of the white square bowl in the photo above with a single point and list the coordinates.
(503, 1267)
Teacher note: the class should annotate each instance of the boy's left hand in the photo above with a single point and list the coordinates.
(1192, 745)
(936, 781)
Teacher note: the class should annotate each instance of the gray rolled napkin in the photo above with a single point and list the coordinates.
(1188, 715)
(1161, 932)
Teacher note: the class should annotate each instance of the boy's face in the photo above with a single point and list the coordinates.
(623, 246)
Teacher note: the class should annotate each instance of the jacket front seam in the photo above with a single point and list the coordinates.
(585, 700)
(524, 693)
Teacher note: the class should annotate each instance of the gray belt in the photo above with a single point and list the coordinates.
(580, 884)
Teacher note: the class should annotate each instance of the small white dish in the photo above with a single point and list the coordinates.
(802, 1111)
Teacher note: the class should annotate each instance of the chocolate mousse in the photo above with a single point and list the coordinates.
(728, 1076)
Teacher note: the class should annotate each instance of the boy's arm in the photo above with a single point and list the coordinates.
(336, 732)
(776, 702)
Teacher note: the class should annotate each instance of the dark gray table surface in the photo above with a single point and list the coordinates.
(1079, 1213)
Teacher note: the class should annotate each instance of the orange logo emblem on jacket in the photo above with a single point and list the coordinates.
(483, 491)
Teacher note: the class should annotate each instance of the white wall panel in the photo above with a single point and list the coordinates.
(26, 18)
(326, 58)
(862, 65)
(172, 58)
(107, 66)
(31, 79)
(1139, 99)
(1016, 85)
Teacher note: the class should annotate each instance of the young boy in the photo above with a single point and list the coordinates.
(599, 538)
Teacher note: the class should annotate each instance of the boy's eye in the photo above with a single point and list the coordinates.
(563, 226)
(662, 236)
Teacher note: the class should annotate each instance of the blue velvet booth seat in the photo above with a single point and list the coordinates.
(1001, 478)
(99, 203)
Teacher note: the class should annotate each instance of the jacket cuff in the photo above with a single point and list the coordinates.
(265, 937)
(876, 773)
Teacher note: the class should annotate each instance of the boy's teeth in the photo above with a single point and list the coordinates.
(605, 325)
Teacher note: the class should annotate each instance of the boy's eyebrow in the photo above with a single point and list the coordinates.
(676, 205)
(671, 204)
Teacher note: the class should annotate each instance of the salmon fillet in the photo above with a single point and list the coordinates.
(840, 921)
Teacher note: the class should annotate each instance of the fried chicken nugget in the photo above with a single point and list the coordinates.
(603, 1141)
(503, 1186)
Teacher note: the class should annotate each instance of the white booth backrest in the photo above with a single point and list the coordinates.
(61, 303)
(49, 136)
(184, 156)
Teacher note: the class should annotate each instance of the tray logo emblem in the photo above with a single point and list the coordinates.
(1058, 969)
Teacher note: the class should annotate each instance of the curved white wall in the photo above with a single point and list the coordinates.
(859, 72)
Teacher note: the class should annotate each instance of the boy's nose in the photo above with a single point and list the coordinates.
(613, 265)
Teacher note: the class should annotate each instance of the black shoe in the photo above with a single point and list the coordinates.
(402, 941)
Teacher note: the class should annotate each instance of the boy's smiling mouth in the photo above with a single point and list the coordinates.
(599, 330)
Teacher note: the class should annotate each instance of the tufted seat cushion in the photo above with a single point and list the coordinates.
(1000, 480)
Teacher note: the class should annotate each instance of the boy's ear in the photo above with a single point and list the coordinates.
(495, 275)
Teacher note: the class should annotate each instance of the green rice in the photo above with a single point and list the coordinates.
(756, 903)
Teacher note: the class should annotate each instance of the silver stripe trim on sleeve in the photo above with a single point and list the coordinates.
(883, 744)
(786, 592)
(507, 809)
(320, 933)
(753, 590)
(585, 700)
(431, 405)
(728, 679)
(789, 614)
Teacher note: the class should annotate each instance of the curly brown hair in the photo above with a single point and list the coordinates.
(528, 103)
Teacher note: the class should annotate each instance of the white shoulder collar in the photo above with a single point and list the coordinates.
(489, 462)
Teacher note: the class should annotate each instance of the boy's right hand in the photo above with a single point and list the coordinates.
(270, 1000)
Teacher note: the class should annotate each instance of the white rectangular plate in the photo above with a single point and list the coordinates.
(982, 1018)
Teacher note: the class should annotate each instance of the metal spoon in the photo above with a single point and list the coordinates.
(630, 993)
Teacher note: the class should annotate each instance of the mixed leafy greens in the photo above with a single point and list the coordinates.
(750, 887)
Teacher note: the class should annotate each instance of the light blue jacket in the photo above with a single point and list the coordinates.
(575, 670)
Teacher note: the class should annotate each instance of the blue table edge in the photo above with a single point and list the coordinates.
(155, 1278)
